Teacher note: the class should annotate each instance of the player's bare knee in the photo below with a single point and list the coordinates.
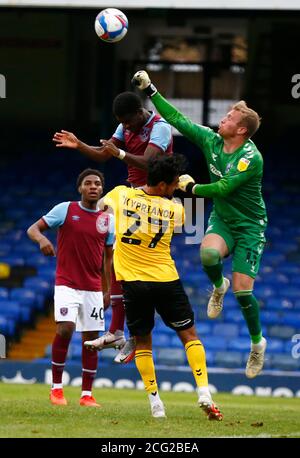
(65, 329)
(209, 256)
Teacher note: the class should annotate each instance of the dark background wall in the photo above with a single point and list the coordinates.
(60, 75)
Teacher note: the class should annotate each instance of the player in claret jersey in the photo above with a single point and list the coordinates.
(141, 135)
(238, 221)
(84, 250)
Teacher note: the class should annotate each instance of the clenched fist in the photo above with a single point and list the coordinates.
(142, 81)
(184, 180)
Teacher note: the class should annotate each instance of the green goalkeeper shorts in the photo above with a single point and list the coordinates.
(245, 244)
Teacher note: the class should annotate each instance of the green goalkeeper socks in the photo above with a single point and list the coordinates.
(212, 265)
(250, 310)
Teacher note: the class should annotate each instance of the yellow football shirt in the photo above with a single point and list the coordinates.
(144, 227)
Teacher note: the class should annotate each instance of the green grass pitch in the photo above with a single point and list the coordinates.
(25, 411)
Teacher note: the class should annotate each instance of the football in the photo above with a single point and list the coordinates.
(111, 25)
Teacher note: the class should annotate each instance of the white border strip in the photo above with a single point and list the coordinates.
(141, 4)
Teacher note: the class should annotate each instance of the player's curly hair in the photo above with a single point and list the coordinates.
(165, 168)
(250, 119)
(87, 172)
(126, 103)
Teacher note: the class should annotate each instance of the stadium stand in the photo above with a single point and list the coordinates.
(25, 294)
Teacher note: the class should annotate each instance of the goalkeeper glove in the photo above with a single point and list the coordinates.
(186, 183)
(142, 81)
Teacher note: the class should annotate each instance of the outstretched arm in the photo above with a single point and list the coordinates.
(221, 188)
(69, 140)
(201, 136)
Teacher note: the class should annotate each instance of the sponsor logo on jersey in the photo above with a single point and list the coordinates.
(228, 167)
(214, 156)
(215, 171)
(243, 164)
(75, 218)
(102, 224)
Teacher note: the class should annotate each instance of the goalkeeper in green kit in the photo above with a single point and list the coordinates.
(238, 220)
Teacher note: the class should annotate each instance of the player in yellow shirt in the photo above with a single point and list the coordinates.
(145, 220)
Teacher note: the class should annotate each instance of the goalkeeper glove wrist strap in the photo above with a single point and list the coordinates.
(189, 187)
(150, 90)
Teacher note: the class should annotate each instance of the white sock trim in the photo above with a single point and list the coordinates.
(86, 393)
(56, 386)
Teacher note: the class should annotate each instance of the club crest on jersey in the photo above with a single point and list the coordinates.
(102, 224)
(243, 164)
(144, 135)
(63, 311)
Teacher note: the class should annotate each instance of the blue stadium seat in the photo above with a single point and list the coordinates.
(75, 351)
(5, 249)
(278, 304)
(162, 340)
(273, 258)
(229, 330)
(171, 356)
(285, 246)
(7, 326)
(76, 338)
(3, 293)
(289, 269)
(204, 329)
(290, 293)
(15, 214)
(175, 342)
(210, 358)
(36, 260)
(27, 297)
(240, 344)
(47, 272)
(291, 319)
(264, 291)
(233, 316)
(297, 304)
(10, 309)
(13, 259)
(26, 247)
(229, 359)
(39, 285)
(295, 280)
(275, 345)
(285, 362)
(282, 332)
(214, 343)
(109, 354)
(269, 318)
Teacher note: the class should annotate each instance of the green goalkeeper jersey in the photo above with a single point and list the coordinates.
(235, 178)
